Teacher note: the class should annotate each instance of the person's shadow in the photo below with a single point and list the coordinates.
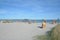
(40, 27)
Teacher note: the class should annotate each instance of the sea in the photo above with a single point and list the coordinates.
(29, 20)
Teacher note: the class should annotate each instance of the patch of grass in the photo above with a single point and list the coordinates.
(55, 33)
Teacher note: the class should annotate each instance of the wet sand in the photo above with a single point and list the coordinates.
(22, 31)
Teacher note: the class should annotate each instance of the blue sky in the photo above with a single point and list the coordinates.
(29, 9)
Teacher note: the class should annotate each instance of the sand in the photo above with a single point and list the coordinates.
(22, 31)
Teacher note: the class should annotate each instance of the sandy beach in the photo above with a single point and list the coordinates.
(22, 31)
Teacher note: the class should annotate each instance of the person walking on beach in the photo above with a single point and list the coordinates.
(54, 22)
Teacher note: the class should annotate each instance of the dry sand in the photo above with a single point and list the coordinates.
(22, 31)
